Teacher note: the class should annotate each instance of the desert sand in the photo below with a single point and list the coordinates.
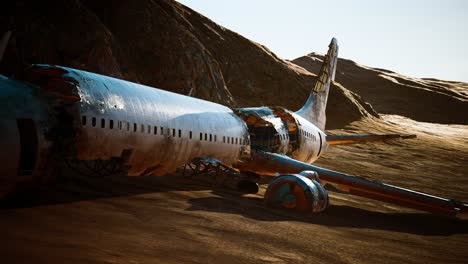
(179, 219)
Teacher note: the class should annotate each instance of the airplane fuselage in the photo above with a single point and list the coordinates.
(63, 113)
(52, 116)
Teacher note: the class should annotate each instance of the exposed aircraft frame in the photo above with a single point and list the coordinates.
(52, 114)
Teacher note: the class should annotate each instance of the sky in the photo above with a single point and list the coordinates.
(412, 37)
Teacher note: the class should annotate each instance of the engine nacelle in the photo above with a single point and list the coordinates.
(296, 191)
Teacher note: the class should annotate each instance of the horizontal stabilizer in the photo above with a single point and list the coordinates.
(363, 138)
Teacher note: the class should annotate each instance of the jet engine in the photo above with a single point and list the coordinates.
(301, 192)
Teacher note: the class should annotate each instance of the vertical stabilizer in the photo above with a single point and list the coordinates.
(3, 43)
(314, 109)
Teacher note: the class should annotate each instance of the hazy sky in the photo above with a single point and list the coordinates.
(413, 37)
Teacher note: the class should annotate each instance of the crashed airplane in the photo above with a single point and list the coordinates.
(53, 115)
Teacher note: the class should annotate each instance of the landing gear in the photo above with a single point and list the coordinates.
(296, 192)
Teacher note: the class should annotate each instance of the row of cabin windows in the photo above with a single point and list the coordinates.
(307, 134)
(123, 125)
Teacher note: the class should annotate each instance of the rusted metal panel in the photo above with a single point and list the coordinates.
(298, 137)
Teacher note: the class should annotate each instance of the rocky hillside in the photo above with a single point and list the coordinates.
(162, 44)
(167, 45)
(427, 100)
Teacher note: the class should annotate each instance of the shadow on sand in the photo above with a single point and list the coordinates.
(76, 188)
(336, 216)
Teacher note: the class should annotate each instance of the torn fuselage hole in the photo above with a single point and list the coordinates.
(271, 129)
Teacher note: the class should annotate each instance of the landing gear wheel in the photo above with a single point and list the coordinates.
(296, 192)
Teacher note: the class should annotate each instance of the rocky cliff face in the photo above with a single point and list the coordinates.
(162, 44)
(427, 100)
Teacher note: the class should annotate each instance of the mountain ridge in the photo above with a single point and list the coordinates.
(167, 45)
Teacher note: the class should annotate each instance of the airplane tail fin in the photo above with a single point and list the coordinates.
(314, 109)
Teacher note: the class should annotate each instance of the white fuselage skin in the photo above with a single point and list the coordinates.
(160, 130)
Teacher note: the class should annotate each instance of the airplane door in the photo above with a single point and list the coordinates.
(28, 146)
(321, 142)
(10, 150)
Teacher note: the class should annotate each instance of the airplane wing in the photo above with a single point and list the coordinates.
(363, 138)
(360, 186)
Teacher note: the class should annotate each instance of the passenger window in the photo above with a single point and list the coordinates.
(215, 138)
(236, 141)
(83, 120)
(93, 122)
(180, 133)
(232, 140)
(128, 126)
(206, 137)
(173, 132)
(142, 128)
(120, 125)
(103, 123)
(201, 136)
(111, 124)
(134, 127)
(190, 134)
(211, 137)
(224, 139)
(161, 131)
(149, 129)
(155, 130)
